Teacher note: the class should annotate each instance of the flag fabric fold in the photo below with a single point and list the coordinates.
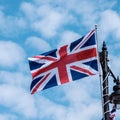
(68, 63)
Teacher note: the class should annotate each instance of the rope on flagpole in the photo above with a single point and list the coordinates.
(106, 95)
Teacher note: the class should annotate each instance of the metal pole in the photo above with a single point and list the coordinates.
(105, 71)
(100, 72)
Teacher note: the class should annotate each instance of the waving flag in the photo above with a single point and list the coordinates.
(68, 63)
(113, 113)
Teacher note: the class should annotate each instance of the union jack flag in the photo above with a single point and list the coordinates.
(68, 63)
(113, 113)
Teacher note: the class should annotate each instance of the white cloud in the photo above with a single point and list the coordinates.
(37, 43)
(10, 54)
(17, 100)
(10, 25)
(68, 37)
(115, 63)
(109, 24)
(49, 109)
(50, 22)
(7, 117)
(77, 102)
(80, 100)
(82, 90)
(89, 112)
(46, 19)
(29, 10)
(49, 25)
(80, 104)
(15, 79)
(79, 96)
(87, 14)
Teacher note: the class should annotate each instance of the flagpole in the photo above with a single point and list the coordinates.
(100, 75)
(105, 73)
(114, 97)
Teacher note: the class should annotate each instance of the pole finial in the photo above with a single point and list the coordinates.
(104, 46)
(96, 27)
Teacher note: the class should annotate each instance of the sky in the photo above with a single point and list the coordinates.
(32, 27)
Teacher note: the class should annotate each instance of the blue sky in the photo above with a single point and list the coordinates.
(29, 28)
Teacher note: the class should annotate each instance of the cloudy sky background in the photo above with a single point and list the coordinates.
(29, 28)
